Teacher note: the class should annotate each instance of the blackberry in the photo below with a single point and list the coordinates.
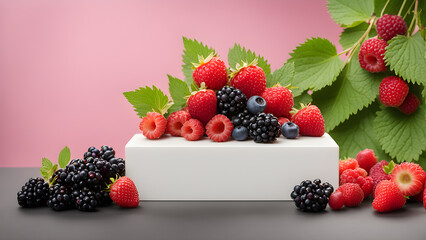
(59, 177)
(103, 198)
(312, 196)
(107, 153)
(34, 193)
(111, 168)
(264, 128)
(83, 173)
(59, 197)
(230, 101)
(242, 119)
(92, 152)
(84, 199)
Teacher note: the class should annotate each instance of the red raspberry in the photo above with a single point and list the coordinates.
(212, 72)
(336, 200)
(392, 91)
(283, 120)
(371, 55)
(409, 177)
(153, 125)
(310, 121)
(418, 197)
(388, 26)
(388, 197)
(352, 194)
(279, 101)
(366, 159)
(175, 122)
(378, 174)
(349, 163)
(250, 80)
(410, 104)
(202, 105)
(358, 176)
(192, 130)
(219, 128)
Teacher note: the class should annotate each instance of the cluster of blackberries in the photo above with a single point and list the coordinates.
(80, 185)
(230, 101)
(312, 196)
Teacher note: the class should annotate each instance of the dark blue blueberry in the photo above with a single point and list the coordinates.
(290, 130)
(240, 133)
(256, 104)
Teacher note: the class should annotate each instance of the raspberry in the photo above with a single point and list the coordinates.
(251, 80)
(175, 122)
(212, 71)
(358, 176)
(219, 128)
(352, 194)
(192, 130)
(336, 200)
(392, 91)
(409, 177)
(366, 159)
(202, 105)
(279, 101)
(371, 55)
(388, 26)
(283, 120)
(378, 174)
(410, 104)
(388, 197)
(310, 121)
(153, 125)
(349, 163)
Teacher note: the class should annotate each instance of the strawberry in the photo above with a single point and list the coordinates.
(153, 125)
(392, 91)
(366, 159)
(175, 122)
(124, 193)
(212, 71)
(219, 128)
(424, 197)
(283, 120)
(202, 105)
(249, 78)
(410, 104)
(192, 130)
(279, 101)
(310, 121)
(409, 177)
(388, 197)
(352, 194)
(336, 200)
(349, 163)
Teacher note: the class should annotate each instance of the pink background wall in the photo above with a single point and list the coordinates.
(65, 64)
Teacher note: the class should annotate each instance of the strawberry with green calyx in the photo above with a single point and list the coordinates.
(310, 120)
(279, 100)
(202, 104)
(211, 70)
(123, 192)
(249, 78)
(50, 171)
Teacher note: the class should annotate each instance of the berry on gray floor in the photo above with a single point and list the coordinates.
(312, 196)
(290, 130)
(240, 133)
(264, 128)
(34, 193)
(256, 104)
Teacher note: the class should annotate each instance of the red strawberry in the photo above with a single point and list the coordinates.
(409, 177)
(124, 193)
(250, 79)
(310, 121)
(349, 163)
(424, 197)
(366, 159)
(392, 91)
(388, 197)
(202, 105)
(153, 125)
(336, 200)
(279, 101)
(192, 130)
(219, 128)
(175, 122)
(410, 104)
(352, 194)
(283, 120)
(212, 71)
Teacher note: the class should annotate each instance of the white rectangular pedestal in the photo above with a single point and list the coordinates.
(172, 168)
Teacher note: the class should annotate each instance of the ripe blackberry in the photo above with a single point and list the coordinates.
(59, 197)
(92, 152)
(242, 119)
(107, 153)
(312, 196)
(59, 177)
(264, 128)
(111, 168)
(34, 193)
(84, 199)
(230, 101)
(103, 198)
(83, 173)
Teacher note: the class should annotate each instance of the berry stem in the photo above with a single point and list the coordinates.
(409, 10)
(402, 7)
(414, 20)
(384, 7)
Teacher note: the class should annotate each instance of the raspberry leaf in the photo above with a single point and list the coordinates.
(46, 165)
(304, 99)
(350, 36)
(283, 75)
(316, 65)
(239, 55)
(350, 13)
(64, 157)
(406, 56)
(178, 91)
(402, 136)
(148, 99)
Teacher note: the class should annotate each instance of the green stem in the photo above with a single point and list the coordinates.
(409, 10)
(402, 7)
(414, 20)
(383, 10)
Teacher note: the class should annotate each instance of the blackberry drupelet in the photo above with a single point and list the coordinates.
(59, 197)
(84, 199)
(92, 152)
(242, 119)
(84, 173)
(107, 153)
(59, 177)
(111, 168)
(264, 128)
(34, 193)
(103, 198)
(230, 101)
(312, 196)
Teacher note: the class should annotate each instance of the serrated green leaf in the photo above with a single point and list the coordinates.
(46, 163)
(349, 12)
(393, 8)
(357, 134)
(406, 56)
(350, 36)
(44, 173)
(304, 98)
(64, 157)
(178, 91)
(422, 160)
(148, 99)
(402, 136)
(193, 49)
(316, 65)
(354, 89)
(238, 54)
(283, 75)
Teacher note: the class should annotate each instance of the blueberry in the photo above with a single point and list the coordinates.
(240, 133)
(290, 130)
(256, 104)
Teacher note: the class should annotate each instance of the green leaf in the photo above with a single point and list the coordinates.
(193, 49)
(178, 91)
(304, 98)
(316, 65)
(350, 36)
(350, 13)
(354, 89)
(422, 13)
(194, 87)
(393, 8)
(357, 134)
(422, 160)
(283, 75)
(148, 99)
(64, 157)
(239, 54)
(402, 136)
(406, 56)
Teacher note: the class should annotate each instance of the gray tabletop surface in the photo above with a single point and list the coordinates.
(200, 220)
